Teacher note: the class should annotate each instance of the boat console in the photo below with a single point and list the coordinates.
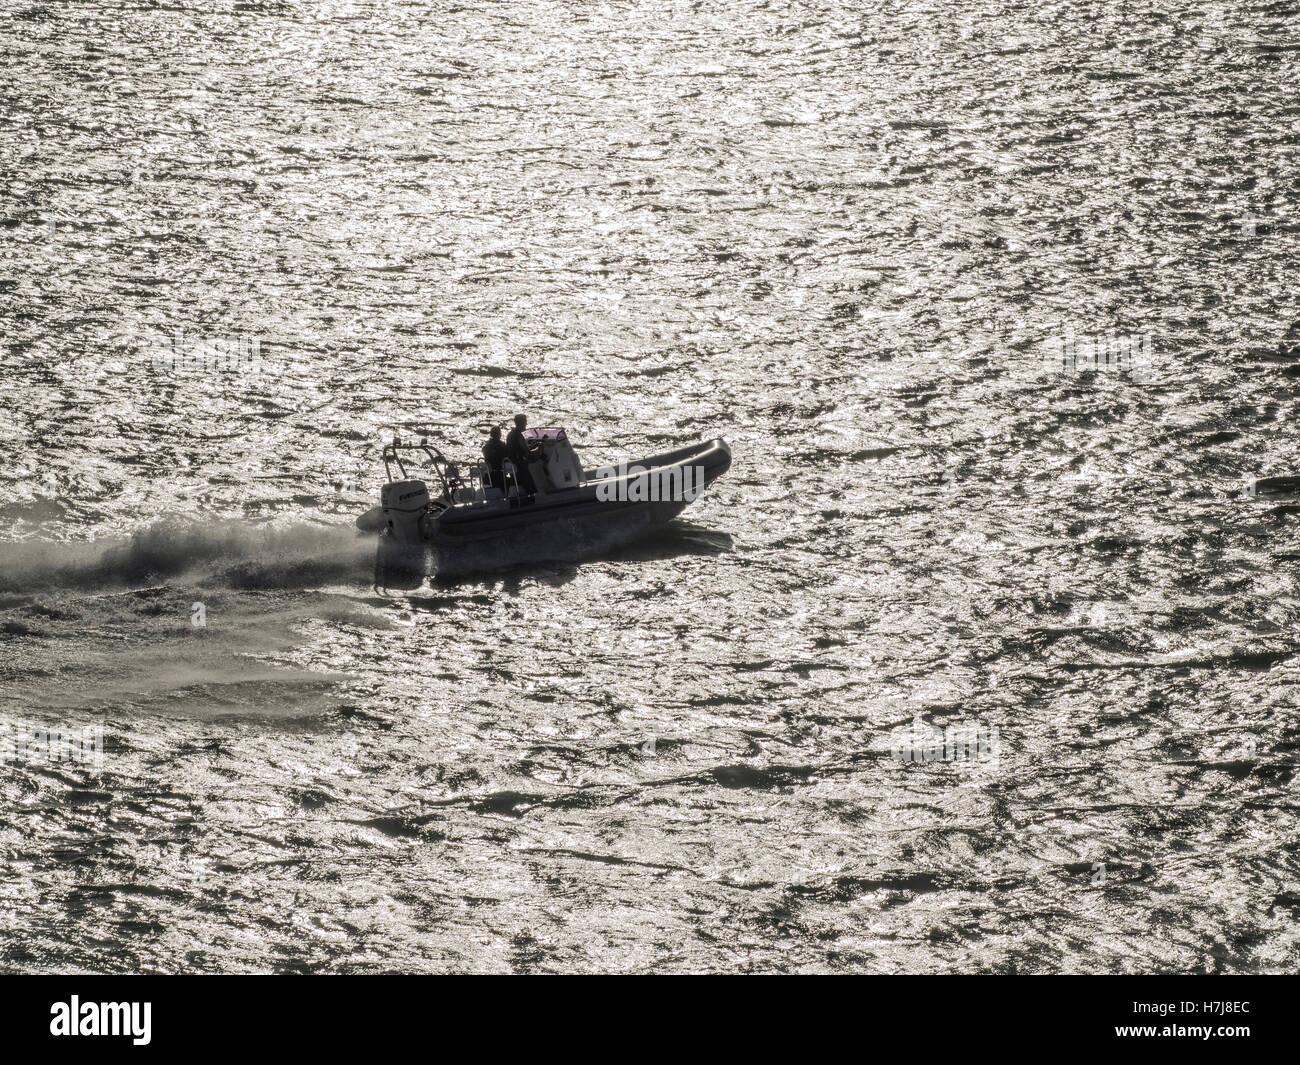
(558, 467)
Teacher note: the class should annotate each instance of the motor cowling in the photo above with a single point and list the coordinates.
(405, 505)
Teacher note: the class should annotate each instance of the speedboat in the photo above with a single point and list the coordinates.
(435, 519)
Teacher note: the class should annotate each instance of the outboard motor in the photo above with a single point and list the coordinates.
(405, 504)
(402, 555)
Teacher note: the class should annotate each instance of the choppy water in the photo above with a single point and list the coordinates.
(838, 235)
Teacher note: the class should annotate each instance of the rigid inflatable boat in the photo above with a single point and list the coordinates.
(443, 521)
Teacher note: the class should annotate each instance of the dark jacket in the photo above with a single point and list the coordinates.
(518, 450)
(496, 453)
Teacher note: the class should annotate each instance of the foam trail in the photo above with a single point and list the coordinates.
(234, 553)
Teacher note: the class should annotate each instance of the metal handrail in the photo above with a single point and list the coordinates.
(437, 460)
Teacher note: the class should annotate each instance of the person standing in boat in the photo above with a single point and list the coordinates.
(521, 454)
(495, 452)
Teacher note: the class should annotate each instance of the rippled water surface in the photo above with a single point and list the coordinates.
(839, 235)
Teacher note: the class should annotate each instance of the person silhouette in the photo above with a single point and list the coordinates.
(521, 453)
(495, 453)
